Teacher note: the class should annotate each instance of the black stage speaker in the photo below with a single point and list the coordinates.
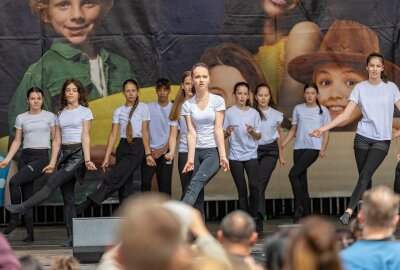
(92, 235)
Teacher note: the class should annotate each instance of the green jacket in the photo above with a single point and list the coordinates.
(59, 63)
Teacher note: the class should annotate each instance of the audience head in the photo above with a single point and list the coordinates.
(380, 207)
(151, 235)
(65, 263)
(275, 250)
(313, 246)
(238, 227)
(29, 262)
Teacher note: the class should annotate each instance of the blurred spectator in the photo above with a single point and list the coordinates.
(29, 262)
(377, 249)
(237, 234)
(8, 261)
(65, 263)
(154, 234)
(313, 246)
(275, 250)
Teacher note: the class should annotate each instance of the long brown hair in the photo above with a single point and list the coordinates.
(179, 99)
(82, 95)
(129, 128)
(238, 57)
(313, 246)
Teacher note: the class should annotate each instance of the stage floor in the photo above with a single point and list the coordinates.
(47, 239)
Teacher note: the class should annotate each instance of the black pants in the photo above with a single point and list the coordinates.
(70, 168)
(303, 159)
(129, 158)
(268, 155)
(238, 168)
(369, 155)
(163, 170)
(30, 166)
(185, 177)
(397, 179)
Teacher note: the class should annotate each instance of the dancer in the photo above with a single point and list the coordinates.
(177, 123)
(72, 132)
(34, 128)
(242, 126)
(159, 134)
(306, 117)
(204, 115)
(375, 97)
(132, 121)
(270, 144)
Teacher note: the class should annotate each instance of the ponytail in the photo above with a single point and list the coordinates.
(319, 105)
(129, 129)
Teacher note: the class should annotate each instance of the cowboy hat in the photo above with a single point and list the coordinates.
(347, 42)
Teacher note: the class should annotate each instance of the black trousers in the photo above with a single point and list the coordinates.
(30, 166)
(129, 158)
(369, 155)
(185, 177)
(303, 159)
(163, 170)
(268, 155)
(397, 179)
(247, 202)
(70, 168)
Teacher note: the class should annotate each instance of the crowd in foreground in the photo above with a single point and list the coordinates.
(159, 234)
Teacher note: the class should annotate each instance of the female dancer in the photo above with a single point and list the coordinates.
(375, 97)
(204, 114)
(270, 144)
(177, 121)
(132, 121)
(72, 132)
(242, 126)
(36, 127)
(306, 117)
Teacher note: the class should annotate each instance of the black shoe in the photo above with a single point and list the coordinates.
(12, 225)
(298, 213)
(259, 225)
(16, 208)
(80, 208)
(29, 238)
(345, 218)
(67, 243)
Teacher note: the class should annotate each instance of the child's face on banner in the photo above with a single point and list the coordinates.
(223, 79)
(335, 82)
(74, 19)
(277, 7)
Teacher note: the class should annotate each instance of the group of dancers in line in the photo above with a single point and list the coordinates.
(148, 142)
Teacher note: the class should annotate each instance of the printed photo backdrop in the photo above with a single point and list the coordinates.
(282, 43)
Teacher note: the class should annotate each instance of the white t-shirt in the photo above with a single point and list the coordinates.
(270, 126)
(97, 75)
(307, 120)
(242, 146)
(35, 128)
(71, 123)
(121, 116)
(181, 124)
(204, 120)
(377, 106)
(159, 127)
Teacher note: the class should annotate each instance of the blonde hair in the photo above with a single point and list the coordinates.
(65, 263)
(129, 128)
(179, 99)
(41, 9)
